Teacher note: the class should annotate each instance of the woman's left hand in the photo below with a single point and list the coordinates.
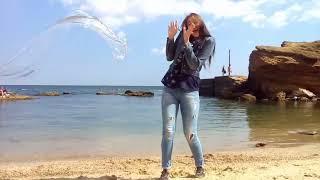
(187, 32)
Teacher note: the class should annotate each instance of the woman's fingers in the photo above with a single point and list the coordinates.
(172, 29)
(176, 25)
(173, 24)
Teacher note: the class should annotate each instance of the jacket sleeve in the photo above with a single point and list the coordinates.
(170, 49)
(204, 54)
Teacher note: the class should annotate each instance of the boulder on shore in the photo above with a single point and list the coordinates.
(138, 93)
(66, 93)
(230, 87)
(293, 68)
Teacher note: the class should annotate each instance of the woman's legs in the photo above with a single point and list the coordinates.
(170, 106)
(190, 102)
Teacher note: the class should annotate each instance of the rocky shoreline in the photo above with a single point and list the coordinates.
(15, 97)
(287, 73)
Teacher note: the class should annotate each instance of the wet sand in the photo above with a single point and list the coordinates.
(15, 97)
(301, 162)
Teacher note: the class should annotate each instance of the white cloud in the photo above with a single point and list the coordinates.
(210, 26)
(311, 13)
(159, 51)
(67, 2)
(258, 13)
(256, 20)
(284, 17)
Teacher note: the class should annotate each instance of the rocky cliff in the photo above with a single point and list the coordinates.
(289, 68)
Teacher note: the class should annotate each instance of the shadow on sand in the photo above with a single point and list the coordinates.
(113, 177)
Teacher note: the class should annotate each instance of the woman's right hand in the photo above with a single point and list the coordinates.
(172, 29)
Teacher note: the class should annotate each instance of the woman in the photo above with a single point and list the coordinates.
(191, 50)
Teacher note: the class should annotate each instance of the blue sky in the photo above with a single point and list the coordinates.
(73, 55)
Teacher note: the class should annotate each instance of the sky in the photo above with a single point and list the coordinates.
(73, 55)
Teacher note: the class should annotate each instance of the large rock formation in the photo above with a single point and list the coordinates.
(207, 87)
(229, 87)
(287, 68)
(138, 93)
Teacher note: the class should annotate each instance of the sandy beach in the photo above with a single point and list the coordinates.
(301, 162)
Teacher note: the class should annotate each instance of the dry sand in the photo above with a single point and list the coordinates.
(302, 162)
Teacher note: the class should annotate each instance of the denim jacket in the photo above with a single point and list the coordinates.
(196, 54)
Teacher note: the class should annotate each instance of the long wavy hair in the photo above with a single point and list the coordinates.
(203, 30)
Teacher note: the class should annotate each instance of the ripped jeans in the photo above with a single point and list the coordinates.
(189, 104)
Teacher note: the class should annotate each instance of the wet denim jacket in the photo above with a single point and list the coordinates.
(196, 54)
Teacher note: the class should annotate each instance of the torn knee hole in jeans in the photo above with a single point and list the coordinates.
(190, 137)
(170, 118)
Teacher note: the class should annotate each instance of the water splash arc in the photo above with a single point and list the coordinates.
(117, 44)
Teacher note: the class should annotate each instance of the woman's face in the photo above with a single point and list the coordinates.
(194, 24)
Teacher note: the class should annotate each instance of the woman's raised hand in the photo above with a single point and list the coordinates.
(187, 32)
(172, 29)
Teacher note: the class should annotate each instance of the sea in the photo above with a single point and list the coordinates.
(81, 124)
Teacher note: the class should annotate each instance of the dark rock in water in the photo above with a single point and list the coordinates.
(52, 93)
(66, 93)
(128, 92)
(287, 68)
(307, 132)
(248, 98)
(301, 99)
(281, 96)
(261, 144)
(138, 93)
(304, 99)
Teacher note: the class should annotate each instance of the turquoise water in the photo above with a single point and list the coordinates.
(84, 124)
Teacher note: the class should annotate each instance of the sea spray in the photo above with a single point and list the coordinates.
(118, 44)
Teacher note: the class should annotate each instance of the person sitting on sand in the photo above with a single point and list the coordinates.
(190, 51)
(3, 92)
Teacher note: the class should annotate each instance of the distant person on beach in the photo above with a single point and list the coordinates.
(223, 71)
(3, 92)
(229, 70)
(193, 48)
